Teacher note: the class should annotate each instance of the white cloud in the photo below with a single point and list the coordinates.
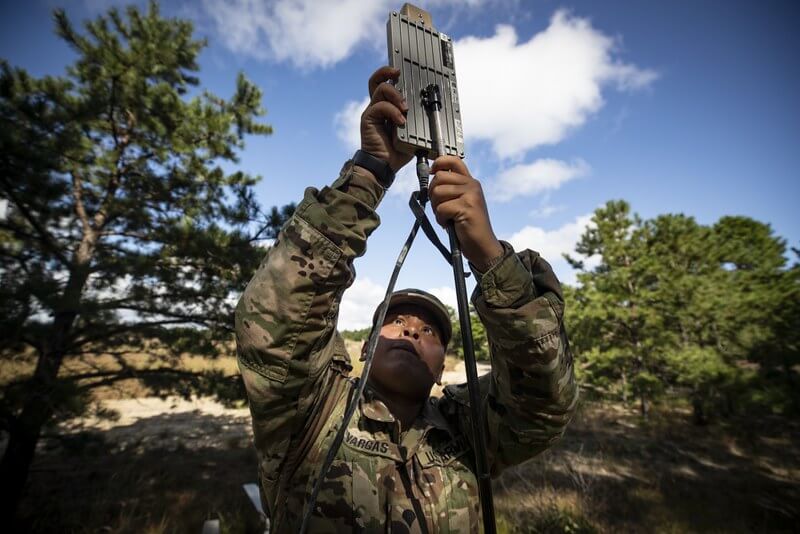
(405, 182)
(551, 85)
(532, 178)
(307, 33)
(519, 96)
(359, 303)
(348, 123)
(545, 210)
(551, 243)
(446, 294)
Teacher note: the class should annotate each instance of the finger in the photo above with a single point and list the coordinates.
(450, 163)
(384, 111)
(381, 75)
(444, 192)
(448, 211)
(449, 177)
(388, 93)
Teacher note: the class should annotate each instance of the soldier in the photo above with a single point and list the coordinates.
(406, 464)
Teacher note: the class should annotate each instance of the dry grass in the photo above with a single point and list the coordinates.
(612, 472)
(86, 488)
(22, 366)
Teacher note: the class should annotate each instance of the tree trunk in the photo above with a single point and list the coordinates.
(730, 404)
(698, 413)
(24, 433)
(643, 407)
(790, 382)
(26, 428)
(625, 388)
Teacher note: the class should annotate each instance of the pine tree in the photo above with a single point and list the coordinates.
(122, 229)
(705, 311)
(614, 298)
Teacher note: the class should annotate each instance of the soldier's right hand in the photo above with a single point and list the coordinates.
(386, 109)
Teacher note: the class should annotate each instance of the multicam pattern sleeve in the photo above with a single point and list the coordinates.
(286, 318)
(530, 394)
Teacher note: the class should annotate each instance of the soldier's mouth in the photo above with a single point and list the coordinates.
(405, 346)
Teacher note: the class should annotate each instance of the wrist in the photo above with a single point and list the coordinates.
(377, 167)
(366, 173)
(489, 256)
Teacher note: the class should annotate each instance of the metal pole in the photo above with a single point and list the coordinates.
(433, 103)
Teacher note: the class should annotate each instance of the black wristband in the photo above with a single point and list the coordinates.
(381, 169)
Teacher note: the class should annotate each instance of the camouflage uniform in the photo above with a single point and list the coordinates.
(296, 371)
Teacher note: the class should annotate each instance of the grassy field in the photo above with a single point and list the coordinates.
(169, 471)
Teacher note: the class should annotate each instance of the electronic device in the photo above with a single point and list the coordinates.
(424, 57)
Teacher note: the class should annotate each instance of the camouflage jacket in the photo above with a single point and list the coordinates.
(296, 372)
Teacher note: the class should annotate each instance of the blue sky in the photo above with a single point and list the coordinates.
(677, 107)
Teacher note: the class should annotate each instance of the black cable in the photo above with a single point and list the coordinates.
(423, 175)
(433, 105)
(432, 100)
(478, 422)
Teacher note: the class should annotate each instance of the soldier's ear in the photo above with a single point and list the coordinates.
(363, 352)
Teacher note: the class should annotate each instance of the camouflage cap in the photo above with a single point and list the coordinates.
(424, 299)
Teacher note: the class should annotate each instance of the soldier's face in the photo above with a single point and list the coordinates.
(409, 357)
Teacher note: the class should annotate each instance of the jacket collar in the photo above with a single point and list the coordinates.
(375, 409)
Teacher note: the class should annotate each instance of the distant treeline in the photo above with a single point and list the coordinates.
(667, 309)
(356, 335)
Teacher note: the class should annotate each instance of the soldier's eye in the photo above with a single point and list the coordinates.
(428, 330)
(399, 322)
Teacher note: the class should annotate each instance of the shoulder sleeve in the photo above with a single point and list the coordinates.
(286, 318)
(530, 394)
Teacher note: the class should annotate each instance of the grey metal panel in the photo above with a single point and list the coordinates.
(416, 50)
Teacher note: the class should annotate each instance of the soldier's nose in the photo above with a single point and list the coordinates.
(411, 333)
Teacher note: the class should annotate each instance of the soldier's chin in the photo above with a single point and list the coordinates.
(411, 382)
(415, 382)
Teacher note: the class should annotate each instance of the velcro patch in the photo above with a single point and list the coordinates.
(443, 454)
(370, 446)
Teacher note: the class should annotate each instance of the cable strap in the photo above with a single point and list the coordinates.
(427, 228)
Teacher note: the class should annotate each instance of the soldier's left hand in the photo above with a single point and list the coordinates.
(458, 197)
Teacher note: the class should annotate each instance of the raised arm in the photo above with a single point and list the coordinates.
(531, 392)
(530, 395)
(286, 318)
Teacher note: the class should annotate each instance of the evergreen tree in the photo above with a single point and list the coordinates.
(480, 342)
(122, 229)
(709, 311)
(614, 298)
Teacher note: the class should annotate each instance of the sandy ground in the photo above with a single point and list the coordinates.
(459, 373)
(148, 423)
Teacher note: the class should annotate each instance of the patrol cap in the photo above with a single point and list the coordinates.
(425, 300)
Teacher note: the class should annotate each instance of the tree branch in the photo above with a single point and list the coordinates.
(44, 235)
(77, 196)
(110, 377)
(78, 342)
